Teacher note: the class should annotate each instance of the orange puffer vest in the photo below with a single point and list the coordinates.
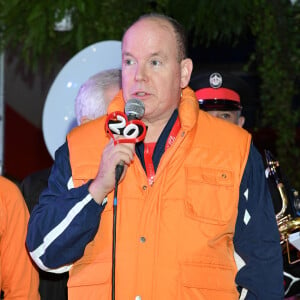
(175, 237)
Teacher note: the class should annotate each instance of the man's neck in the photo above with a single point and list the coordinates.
(155, 128)
(153, 132)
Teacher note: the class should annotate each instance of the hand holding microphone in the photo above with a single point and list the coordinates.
(125, 129)
(128, 125)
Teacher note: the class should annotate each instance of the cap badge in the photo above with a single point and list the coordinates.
(215, 80)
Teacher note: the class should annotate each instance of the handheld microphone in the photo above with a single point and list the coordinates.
(134, 110)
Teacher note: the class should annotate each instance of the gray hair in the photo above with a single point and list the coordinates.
(90, 100)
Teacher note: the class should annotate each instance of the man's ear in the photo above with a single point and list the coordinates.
(241, 121)
(186, 71)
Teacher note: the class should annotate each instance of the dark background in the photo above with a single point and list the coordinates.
(25, 151)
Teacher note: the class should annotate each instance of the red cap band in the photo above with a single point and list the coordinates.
(219, 93)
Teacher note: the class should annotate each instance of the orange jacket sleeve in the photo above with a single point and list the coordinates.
(18, 277)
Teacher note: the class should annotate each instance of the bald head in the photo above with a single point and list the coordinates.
(177, 28)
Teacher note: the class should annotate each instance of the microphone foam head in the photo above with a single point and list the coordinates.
(134, 109)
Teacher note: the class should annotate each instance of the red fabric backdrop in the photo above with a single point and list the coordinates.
(24, 147)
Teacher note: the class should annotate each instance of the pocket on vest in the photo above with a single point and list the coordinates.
(90, 273)
(210, 194)
(90, 281)
(209, 281)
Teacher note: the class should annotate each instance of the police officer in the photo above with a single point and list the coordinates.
(221, 95)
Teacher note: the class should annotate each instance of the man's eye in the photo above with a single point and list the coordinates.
(226, 116)
(128, 62)
(155, 62)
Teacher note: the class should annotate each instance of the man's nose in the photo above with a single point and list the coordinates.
(140, 73)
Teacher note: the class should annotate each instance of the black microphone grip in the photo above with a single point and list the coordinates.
(119, 171)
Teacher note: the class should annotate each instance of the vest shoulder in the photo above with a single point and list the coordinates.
(10, 194)
(88, 130)
(219, 123)
(220, 130)
(85, 142)
(7, 186)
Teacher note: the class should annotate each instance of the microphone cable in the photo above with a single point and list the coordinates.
(118, 173)
(134, 109)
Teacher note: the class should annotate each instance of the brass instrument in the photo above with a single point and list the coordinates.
(287, 222)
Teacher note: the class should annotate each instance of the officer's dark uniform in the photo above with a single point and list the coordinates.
(219, 91)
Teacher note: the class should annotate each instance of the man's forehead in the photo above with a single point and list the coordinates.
(149, 45)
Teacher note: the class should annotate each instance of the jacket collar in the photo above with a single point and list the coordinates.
(188, 107)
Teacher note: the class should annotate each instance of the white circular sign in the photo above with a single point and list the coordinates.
(59, 109)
